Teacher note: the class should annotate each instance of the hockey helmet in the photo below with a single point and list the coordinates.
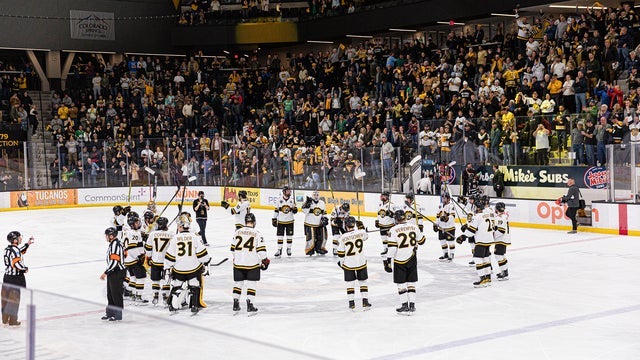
(500, 207)
(131, 214)
(345, 207)
(187, 214)
(111, 231)
(400, 216)
(315, 195)
(12, 236)
(350, 222)
(410, 196)
(134, 221)
(480, 203)
(117, 210)
(242, 194)
(148, 215)
(151, 206)
(163, 223)
(184, 221)
(385, 194)
(250, 218)
(286, 191)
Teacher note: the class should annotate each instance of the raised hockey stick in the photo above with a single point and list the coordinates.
(184, 191)
(129, 196)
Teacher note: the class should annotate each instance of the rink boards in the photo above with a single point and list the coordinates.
(609, 218)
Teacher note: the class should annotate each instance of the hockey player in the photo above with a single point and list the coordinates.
(120, 218)
(315, 223)
(241, 209)
(502, 239)
(385, 219)
(185, 261)
(338, 215)
(134, 257)
(469, 209)
(412, 211)
(481, 228)
(147, 225)
(404, 239)
(249, 257)
(156, 248)
(445, 226)
(283, 220)
(353, 262)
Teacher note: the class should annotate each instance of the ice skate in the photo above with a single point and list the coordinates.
(278, 253)
(504, 275)
(444, 257)
(251, 310)
(403, 310)
(366, 306)
(236, 306)
(352, 305)
(288, 251)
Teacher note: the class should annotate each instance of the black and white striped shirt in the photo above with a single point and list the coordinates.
(13, 259)
(115, 257)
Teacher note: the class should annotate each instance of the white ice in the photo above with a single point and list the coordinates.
(568, 297)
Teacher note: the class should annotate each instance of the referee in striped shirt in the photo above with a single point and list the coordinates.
(114, 274)
(13, 277)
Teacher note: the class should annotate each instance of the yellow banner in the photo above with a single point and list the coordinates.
(230, 194)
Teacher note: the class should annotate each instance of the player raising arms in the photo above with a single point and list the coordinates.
(185, 261)
(385, 219)
(445, 226)
(249, 257)
(283, 220)
(502, 239)
(481, 227)
(404, 239)
(338, 215)
(353, 262)
(314, 224)
(156, 248)
(412, 211)
(241, 209)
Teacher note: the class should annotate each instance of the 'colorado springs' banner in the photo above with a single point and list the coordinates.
(92, 25)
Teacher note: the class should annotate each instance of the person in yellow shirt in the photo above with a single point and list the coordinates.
(63, 112)
(511, 80)
(508, 119)
(555, 88)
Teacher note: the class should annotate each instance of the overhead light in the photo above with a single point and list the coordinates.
(319, 42)
(151, 54)
(449, 23)
(90, 51)
(403, 30)
(505, 15)
(360, 36)
(576, 7)
(226, 52)
(19, 48)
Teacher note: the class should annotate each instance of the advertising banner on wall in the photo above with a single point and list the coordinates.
(36, 198)
(92, 25)
(11, 136)
(230, 194)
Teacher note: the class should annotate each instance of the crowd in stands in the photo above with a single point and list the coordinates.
(549, 85)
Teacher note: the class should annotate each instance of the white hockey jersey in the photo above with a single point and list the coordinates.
(186, 254)
(284, 210)
(385, 214)
(133, 246)
(240, 210)
(351, 250)
(481, 227)
(502, 234)
(403, 240)
(411, 214)
(157, 245)
(248, 248)
(314, 213)
(119, 222)
(448, 212)
(337, 217)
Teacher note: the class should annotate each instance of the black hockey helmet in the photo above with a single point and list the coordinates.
(250, 218)
(111, 231)
(345, 207)
(350, 222)
(117, 210)
(242, 194)
(148, 215)
(12, 236)
(400, 216)
(132, 220)
(500, 207)
(462, 200)
(480, 203)
(410, 196)
(163, 223)
(286, 190)
(385, 193)
(131, 214)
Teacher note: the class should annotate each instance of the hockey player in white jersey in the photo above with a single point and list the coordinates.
(134, 257)
(315, 223)
(249, 257)
(147, 224)
(481, 228)
(283, 220)
(338, 215)
(502, 239)
(353, 262)
(412, 211)
(119, 219)
(384, 222)
(240, 210)
(156, 247)
(445, 226)
(185, 261)
(404, 239)
(469, 209)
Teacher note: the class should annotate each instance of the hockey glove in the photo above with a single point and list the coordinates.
(436, 228)
(421, 227)
(444, 218)
(324, 221)
(461, 239)
(126, 210)
(224, 204)
(294, 210)
(167, 274)
(377, 224)
(464, 227)
(359, 225)
(265, 264)
(307, 203)
(274, 222)
(205, 270)
(387, 265)
(389, 213)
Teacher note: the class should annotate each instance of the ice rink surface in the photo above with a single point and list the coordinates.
(568, 297)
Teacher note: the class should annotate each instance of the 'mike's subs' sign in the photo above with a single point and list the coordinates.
(92, 25)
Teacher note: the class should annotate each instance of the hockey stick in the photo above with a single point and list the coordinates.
(184, 192)
(155, 182)
(358, 203)
(220, 262)
(129, 196)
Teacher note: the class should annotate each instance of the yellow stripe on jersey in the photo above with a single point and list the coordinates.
(472, 229)
(202, 253)
(354, 268)
(402, 262)
(148, 247)
(188, 272)
(341, 253)
(501, 243)
(233, 248)
(422, 240)
(261, 248)
(392, 243)
(502, 230)
(245, 267)
(167, 256)
(285, 222)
